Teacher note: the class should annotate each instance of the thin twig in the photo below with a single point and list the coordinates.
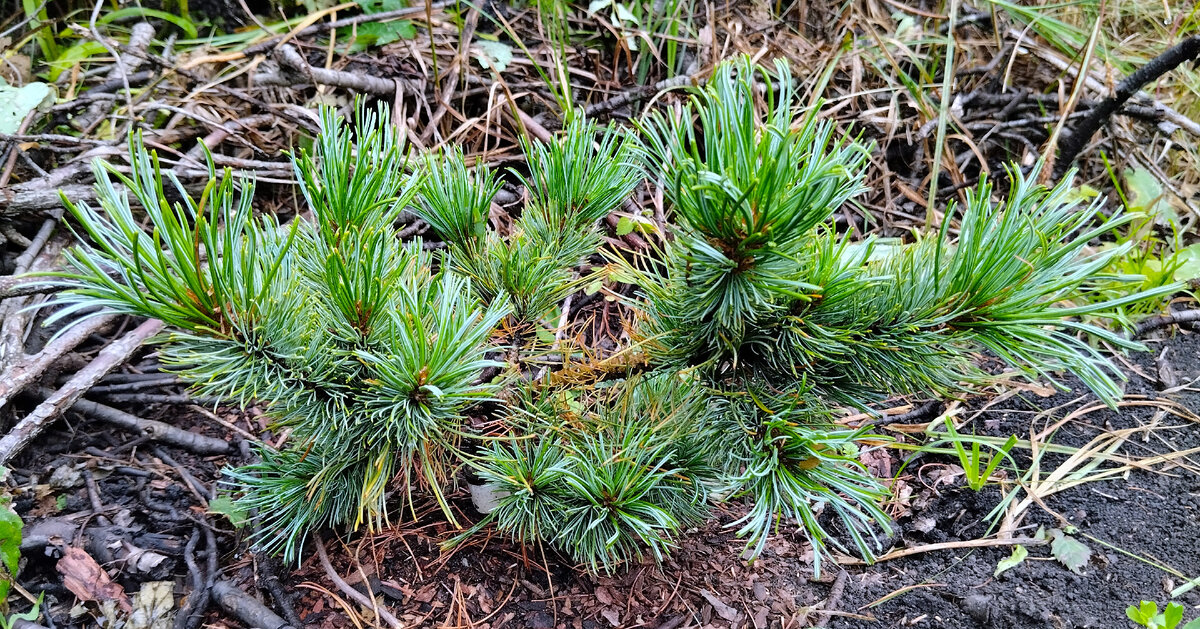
(1174, 318)
(358, 597)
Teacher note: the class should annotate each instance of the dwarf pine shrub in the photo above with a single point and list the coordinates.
(757, 322)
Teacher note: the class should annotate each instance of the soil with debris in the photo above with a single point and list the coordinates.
(1129, 523)
(140, 511)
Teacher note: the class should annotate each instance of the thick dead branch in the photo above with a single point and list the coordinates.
(294, 70)
(1175, 318)
(1081, 133)
(45, 413)
(251, 612)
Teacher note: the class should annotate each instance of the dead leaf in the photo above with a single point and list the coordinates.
(152, 606)
(612, 616)
(88, 581)
(140, 559)
(879, 462)
(724, 611)
(604, 595)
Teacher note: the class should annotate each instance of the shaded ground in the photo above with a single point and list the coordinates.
(144, 523)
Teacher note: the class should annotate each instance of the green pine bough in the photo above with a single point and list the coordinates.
(399, 368)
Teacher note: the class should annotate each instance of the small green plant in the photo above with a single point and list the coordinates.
(1146, 615)
(10, 546)
(972, 463)
(9, 621)
(396, 367)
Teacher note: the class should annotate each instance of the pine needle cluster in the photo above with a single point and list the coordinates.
(758, 320)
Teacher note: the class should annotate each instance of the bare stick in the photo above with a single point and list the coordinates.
(636, 93)
(289, 58)
(835, 596)
(1162, 321)
(156, 430)
(35, 422)
(1081, 134)
(251, 612)
(358, 597)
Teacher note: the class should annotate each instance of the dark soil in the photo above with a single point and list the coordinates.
(1153, 515)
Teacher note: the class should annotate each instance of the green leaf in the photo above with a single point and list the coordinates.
(1195, 624)
(1172, 615)
(226, 506)
(640, 224)
(493, 54)
(73, 55)
(1017, 557)
(598, 5)
(1188, 259)
(625, 16)
(17, 102)
(1139, 614)
(371, 7)
(10, 547)
(1069, 551)
(183, 23)
(382, 33)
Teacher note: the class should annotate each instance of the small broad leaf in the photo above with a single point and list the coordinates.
(381, 33)
(1069, 551)
(1189, 263)
(1142, 615)
(598, 5)
(493, 54)
(1017, 557)
(17, 102)
(10, 546)
(624, 15)
(640, 224)
(1172, 615)
(226, 506)
(371, 7)
(1195, 624)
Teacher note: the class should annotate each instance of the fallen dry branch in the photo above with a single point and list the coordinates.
(831, 602)
(294, 70)
(1082, 132)
(1177, 317)
(155, 430)
(45, 413)
(354, 594)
